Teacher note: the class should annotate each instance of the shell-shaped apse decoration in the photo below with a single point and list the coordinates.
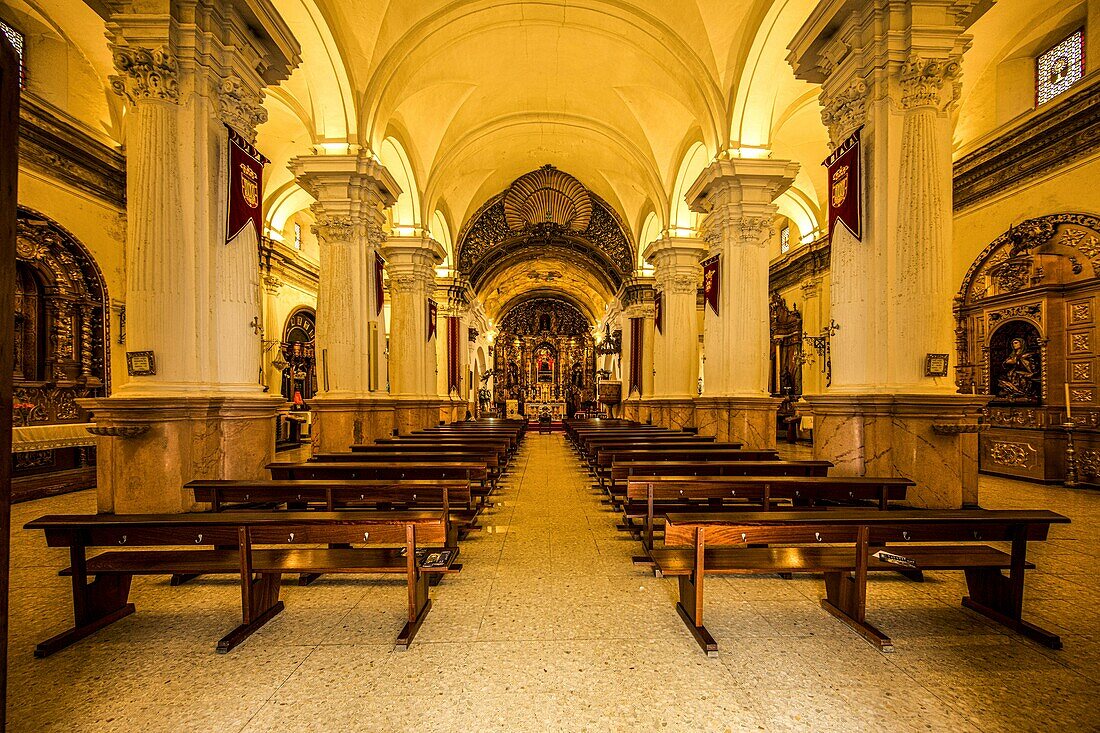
(547, 196)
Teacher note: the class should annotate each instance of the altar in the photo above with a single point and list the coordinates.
(532, 410)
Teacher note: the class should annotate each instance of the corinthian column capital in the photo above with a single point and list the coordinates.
(737, 198)
(240, 107)
(145, 74)
(922, 81)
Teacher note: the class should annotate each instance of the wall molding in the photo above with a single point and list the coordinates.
(1048, 140)
(62, 152)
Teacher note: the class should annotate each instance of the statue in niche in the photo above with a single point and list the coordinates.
(1020, 372)
(513, 374)
(578, 376)
(544, 323)
(1015, 364)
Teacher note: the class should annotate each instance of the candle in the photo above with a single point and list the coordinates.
(1069, 411)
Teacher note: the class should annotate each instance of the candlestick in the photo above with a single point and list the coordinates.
(1069, 410)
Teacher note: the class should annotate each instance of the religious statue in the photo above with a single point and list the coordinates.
(1019, 380)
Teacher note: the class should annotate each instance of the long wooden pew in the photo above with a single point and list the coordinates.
(415, 454)
(105, 600)
(870, 541)
(649, 498)
(623, 471)
(503, 446)
(472, 471)
(702, 453)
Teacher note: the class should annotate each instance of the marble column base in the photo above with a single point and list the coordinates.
(930, 438)
(147, 448)
(674, 413)
(746, 420)
(415, 413)
(340, 422)
(632, 410)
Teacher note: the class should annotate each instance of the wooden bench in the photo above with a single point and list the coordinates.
(452, 496)
(702, 453)
(649, 498)
(716, 544)
(622, 472)
(414, 454)
(105, 599)
(385, 471)
(499, 444)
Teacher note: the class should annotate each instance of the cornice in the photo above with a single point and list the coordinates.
(276, 259)
(60, 150)
(1049, 139)
(803, 263)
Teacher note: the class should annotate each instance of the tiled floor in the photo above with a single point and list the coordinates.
(550, 627)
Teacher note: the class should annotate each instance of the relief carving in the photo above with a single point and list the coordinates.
(145, 74)
(1080, 312)
(1081, 372)
(240, 108)
(1011, 454)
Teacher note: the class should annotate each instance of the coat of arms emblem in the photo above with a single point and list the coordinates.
(840, 186)
(250, 186)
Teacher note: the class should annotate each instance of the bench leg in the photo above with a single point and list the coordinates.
(845, 600)
(419, 603)
(993, 596)
(692, 613)
(260, 604)
(96, 604)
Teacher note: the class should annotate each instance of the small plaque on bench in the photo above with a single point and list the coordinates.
(893, 559)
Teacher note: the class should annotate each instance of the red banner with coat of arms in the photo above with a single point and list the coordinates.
(246, 187)
(658, 311)
(712, 281)
(845, 186)
(432, 309)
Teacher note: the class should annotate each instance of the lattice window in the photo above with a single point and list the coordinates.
(1060, 67)
(297, 235)
(785, 240)
(16, 39)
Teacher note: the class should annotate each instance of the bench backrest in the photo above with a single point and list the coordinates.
(624, 470)
(390, 471)
(226, 528)
(847, 526)
(838, 488)
(333, 493)
(403, 456)
(699, 453)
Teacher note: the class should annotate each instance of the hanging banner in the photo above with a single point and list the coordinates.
(846, 186)
(454, 330)
(431, 318)
(379, 293)
(246, 181)
(658, 310)
(635, 356)
(712, 281)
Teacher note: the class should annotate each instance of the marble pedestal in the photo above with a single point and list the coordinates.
(147, 448)
(674, 413)
(415, 413)
(746, 420)
(340, 422)
(930, 438)
(632, 410)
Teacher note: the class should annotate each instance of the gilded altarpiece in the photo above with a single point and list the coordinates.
(545, 358)
(60, 355)
(1026, 328)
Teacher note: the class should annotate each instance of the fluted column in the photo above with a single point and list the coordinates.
(410, 262)
(892, 69)
(273, 331)
(196, 409)
(352, 193)
(160, 295)
(675, 347)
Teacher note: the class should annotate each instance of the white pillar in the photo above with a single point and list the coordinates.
(893, 69)
(675, 346)
(736, 197)
(352, 193)
(192, 300)
(410, 262)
